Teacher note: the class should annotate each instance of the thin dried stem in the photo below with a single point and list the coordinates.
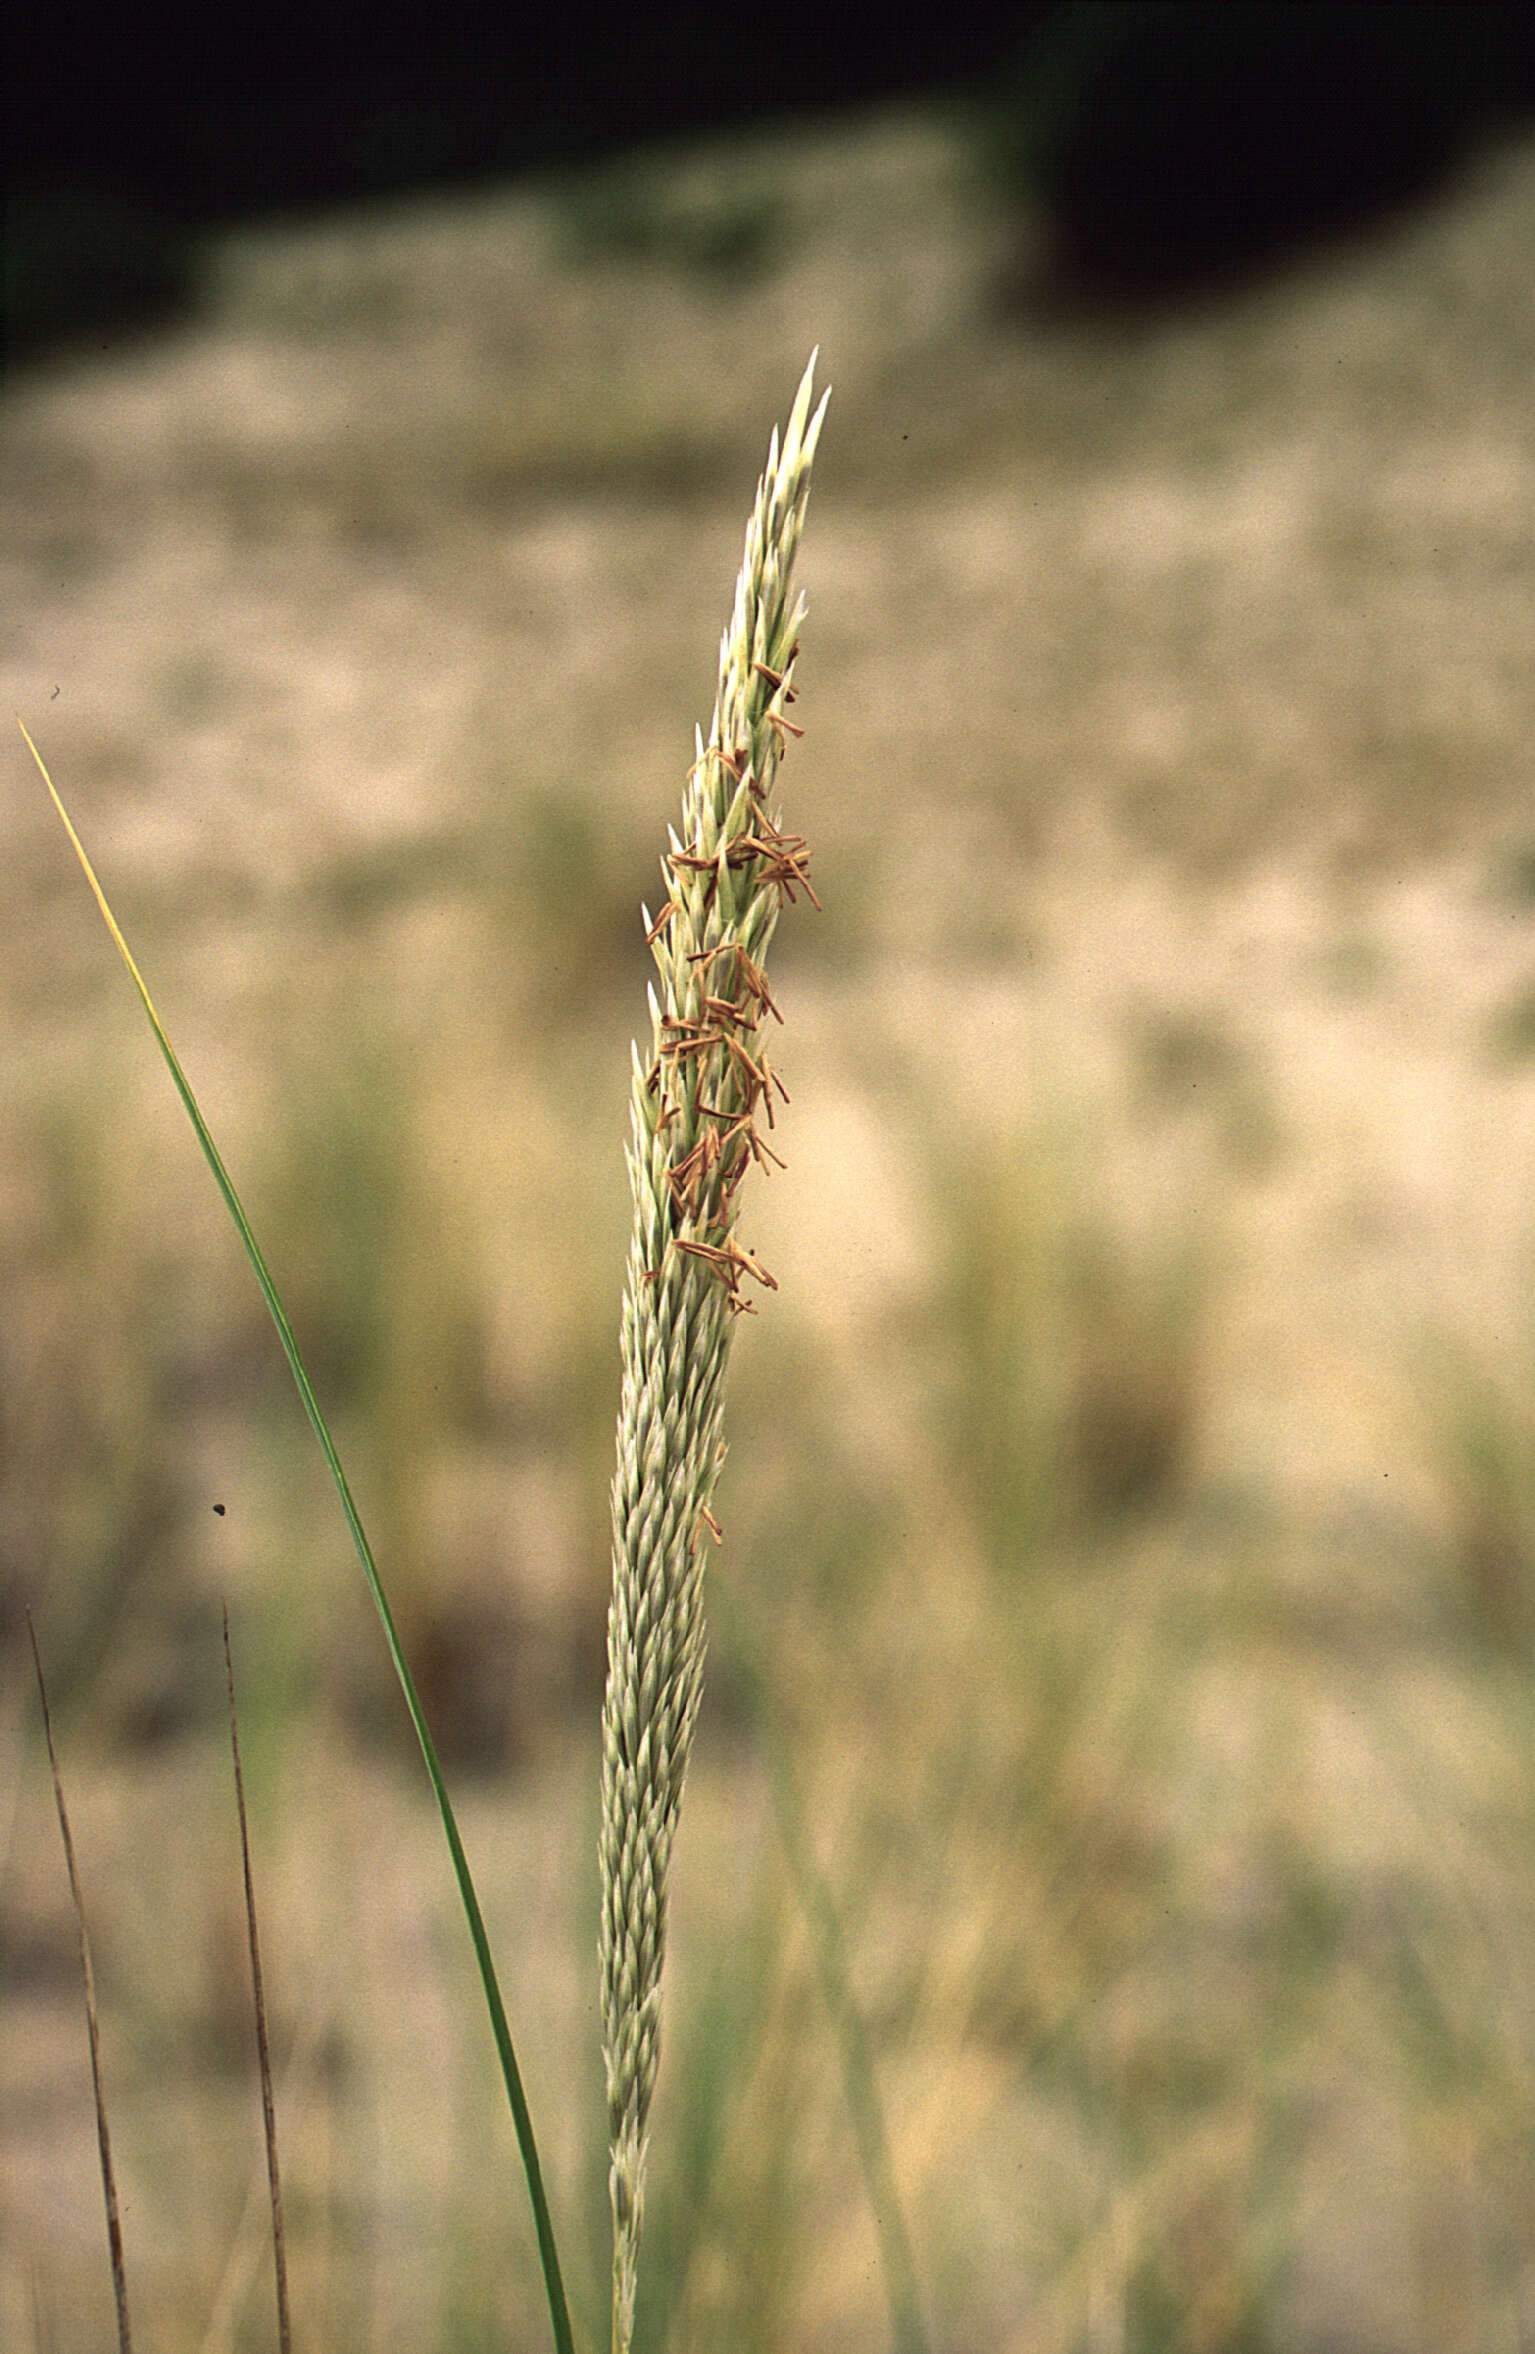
(103, 2137)
(258, 1995)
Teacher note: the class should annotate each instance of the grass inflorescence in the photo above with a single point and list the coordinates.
(696, 1106)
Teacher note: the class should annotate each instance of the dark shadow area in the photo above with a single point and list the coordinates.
(127, 140)
(1151, 149)
(1169, 150)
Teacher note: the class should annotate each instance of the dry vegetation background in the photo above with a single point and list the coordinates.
(1131, 1507)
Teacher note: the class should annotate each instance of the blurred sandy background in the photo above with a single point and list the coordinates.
(1131, 1504)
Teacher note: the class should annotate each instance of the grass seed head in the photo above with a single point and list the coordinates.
(695, 1101)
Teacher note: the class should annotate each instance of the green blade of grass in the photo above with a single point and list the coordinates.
(548, 2254)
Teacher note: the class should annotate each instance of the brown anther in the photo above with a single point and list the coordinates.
(693, 1172)
(784, 857)
(699, 1045)
(751, 978)
(791, 870)
(770, 1080)
(662, 920)
(741, 1129)
(728, 1009)
(738, 1124)
(718, 1261)
(755, 1079)
(693, 1038)
(729, 1262)
(743, 1260)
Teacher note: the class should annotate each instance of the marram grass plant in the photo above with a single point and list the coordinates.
(700, 1103)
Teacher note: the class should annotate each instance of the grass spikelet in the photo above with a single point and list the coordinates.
(700, 1104)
